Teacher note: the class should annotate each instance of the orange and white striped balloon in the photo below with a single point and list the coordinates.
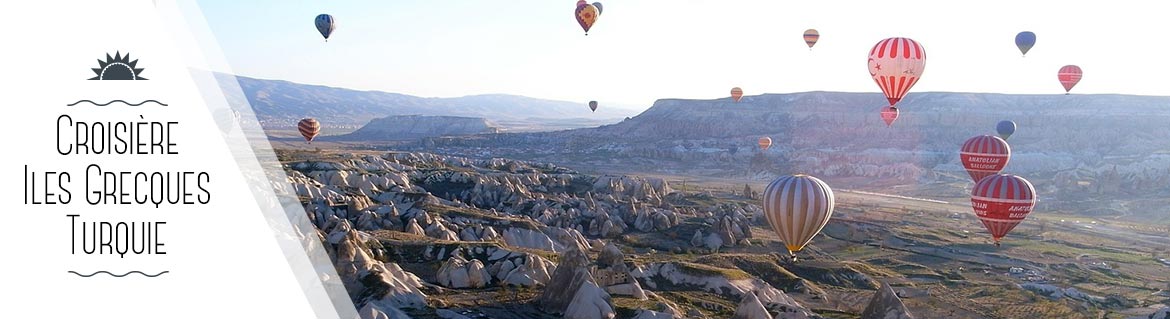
(797, 207)
(309, 128)
(765, 143)
(736, 93)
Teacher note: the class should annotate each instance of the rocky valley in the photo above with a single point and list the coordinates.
(421, 235)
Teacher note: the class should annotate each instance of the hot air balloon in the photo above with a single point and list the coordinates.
(1002, 201)
(1069, 75)
(325, 25)
(810, 37)
(1005, 129)
(309, 128)
(586, 15)
(593, 105)
(798, 207)
(1025, 40)
(984, 155)
(765, 143)
(736, 93)
(896, 64)
(599, 8)
(889, 114)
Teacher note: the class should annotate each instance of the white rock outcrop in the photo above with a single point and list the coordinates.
(457, 272)
(751, 308)
(885, 304)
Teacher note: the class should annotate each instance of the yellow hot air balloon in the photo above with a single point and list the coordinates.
(798, 207)
(736, 93)
(586, 15)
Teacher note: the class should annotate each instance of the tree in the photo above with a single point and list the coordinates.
(747, 191)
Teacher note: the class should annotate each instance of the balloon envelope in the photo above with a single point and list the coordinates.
(765, 142)
(1005, 129)
(325, 24)
(736, 93)
(1001, 202)
(586, 15)
(895, 65)
(797, 207)
(1069, 75)
(1025, 40)
(889, 115)
(599, 8)
(984, 155)
(593, 105)
(309, 128)
(810, 37)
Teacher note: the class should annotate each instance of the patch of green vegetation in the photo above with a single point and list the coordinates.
(627, 307)
(833, 274)
(492, 220)
(761, 266)
(871, 270)
(711, 305)
(700, 270)
(835, 314)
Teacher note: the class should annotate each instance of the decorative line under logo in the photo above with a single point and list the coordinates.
(117, 101)
(117, 68)
(119, 276)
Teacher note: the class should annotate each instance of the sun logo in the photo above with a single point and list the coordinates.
(117, 68)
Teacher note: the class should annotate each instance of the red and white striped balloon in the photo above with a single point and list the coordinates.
(736, 94)
(1069, 75)
(765, 143)
(984, 155)
(1002, 201)
(896, 64)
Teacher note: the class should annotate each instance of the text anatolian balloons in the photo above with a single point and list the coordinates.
(895, 65)
(984, 155)
(1002, 201)
(797, 207)
(309, 128)
(736, 93)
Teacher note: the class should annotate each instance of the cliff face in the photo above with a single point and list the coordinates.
(416, 126)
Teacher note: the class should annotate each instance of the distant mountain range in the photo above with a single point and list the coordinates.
(936, 121)
(1073, 147)
(280, 104)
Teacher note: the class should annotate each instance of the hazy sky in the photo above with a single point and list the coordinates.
(643, 50)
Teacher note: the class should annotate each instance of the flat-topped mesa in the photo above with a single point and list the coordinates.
(400, 127)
